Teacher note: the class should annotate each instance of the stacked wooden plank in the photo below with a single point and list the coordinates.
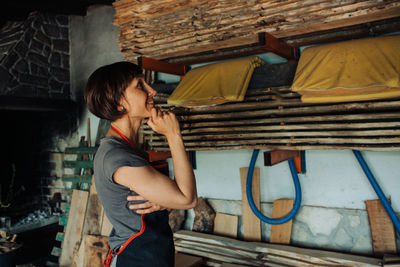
(227, 250)
(84, 242)
(166, 29)
(276, 118)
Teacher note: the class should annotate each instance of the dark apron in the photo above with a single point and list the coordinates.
(153, 246)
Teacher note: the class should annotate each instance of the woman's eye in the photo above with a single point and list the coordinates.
(140, 85)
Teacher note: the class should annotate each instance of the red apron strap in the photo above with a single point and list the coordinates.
(108, 259)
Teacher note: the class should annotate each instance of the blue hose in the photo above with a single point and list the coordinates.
(253, 207)
(378, 190)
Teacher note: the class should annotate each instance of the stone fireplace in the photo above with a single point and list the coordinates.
(38, 119)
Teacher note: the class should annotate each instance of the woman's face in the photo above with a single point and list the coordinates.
(138, 98)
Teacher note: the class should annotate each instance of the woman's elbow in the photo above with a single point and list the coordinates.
(190, 204)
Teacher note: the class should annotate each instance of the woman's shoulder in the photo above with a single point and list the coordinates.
(112, 146)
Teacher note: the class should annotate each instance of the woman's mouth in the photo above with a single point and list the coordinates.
(150, 103)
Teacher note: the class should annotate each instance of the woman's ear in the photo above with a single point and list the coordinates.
(121, 109)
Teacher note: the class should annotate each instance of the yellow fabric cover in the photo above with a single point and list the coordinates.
(215, 83)
(357, 70)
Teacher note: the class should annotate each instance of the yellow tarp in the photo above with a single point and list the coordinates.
(357, 70)
(216, 83)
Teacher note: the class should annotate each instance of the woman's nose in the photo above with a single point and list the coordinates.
(151, 91)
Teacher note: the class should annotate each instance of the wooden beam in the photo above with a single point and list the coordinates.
(161, 66)
(382, 229)
(251, 224)
(274, 157)
(274, 45)
(281, 233)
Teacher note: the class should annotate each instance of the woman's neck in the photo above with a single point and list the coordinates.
(128, 127)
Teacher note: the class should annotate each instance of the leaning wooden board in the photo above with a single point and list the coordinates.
(251, 224)
(94, 213)
(281, 233)
(226, 225)
(382, 229)
(96, 248)
(74, 228)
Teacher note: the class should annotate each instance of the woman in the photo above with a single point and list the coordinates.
(118, 93)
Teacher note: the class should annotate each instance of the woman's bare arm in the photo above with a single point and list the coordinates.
(154, 186)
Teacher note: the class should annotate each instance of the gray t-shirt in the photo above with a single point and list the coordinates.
(112, 154)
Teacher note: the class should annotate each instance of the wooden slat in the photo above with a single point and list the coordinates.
(78, 164)
(168, 30)
(251, 224)
(382, 229)
(262, 254)
(74, 227)
(285, 123)
(81, 150)
(226, 225)
(281, 233)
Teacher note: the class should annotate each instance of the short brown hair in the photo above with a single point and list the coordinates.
(106, 87)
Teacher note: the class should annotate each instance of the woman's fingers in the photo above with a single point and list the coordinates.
(134, 198)
(145, 205)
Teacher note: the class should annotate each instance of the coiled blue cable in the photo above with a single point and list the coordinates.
(253, 207)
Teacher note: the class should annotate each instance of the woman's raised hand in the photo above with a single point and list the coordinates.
(164, 122)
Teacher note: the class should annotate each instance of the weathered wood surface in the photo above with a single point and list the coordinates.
(226, 225)
(251, 224)
(168, 29)
(106, 226)
(74, 229)
(276, 118)
(96, 248)
(94, 213)
(281, 233)
(382, 229)
(262, 254)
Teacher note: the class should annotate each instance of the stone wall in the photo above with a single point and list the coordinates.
(34, 57)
